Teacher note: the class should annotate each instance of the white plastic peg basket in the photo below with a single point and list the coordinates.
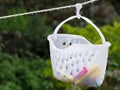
(76, 60)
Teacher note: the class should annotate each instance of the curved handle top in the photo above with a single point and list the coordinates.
(84, 18)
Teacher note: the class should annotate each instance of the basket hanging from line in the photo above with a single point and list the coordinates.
(74, 59)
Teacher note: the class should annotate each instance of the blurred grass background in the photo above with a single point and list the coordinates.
(24, 53)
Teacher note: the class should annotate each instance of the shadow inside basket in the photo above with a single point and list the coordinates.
(62, 41)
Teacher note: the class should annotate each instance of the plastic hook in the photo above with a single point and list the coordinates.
(78, 8)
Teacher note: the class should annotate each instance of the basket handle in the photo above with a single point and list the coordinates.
(78, 8)
(87, 20)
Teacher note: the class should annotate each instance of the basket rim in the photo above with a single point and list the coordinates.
(106, 44)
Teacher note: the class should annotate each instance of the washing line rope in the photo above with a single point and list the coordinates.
(45, 10)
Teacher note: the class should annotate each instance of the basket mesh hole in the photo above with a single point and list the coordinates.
(64, 43)
(56, 63)
(77, 70)
(66, 67)
(70, 43)
(80, 55)
(89, 60)
(72, 64)
(70, 57)
(83, 60)
(76, 62)
(75, 55)
(66, 59)
(60, 67)
(92, 54)
(58, 73)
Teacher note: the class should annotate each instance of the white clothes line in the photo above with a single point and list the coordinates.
(45, 10)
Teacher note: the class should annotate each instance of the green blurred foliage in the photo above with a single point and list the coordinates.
(27, 74)
(25, 36)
